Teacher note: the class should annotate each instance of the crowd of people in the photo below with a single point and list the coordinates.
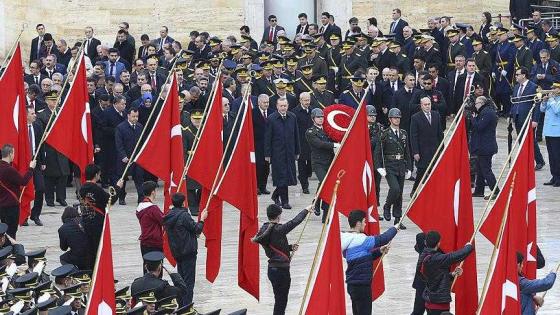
(413, 80)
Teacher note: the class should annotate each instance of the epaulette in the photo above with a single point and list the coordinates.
(321, 57)
(358, 55)
(40, 111)
(435, 49)
(346, 91)
(461, 44)
(329, 91)
(297, 79)
(329, 46)
(403, 55)
(526, 48)
(484, 51)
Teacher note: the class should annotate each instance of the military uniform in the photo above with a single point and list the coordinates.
(302, 84)
(160, 287)
(348, 65)
(523, 58)
(396, 157)
(505, 53)
(452, 51)
(403, 64)
(333, 61)
(483, 63)
(555, 53)
(322, 152)
(375, 131)
(321, 99)
(194, 191)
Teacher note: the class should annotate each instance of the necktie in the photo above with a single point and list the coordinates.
(133, 126)
(39, 42)
(467, 86)
(264, 114)
(36, 80)
(154, 83)
(392, 85)
(50, 73)
(545, 66)
(520, 92)
(429, 115)
(31, 136)
(322, 29)
(397, 133)
(393, 27)
(112, 70)
(32, 104)
(225, 118)
(87, 47)
(271, 34)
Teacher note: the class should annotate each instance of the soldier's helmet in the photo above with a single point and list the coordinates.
(316, 112)
(371, 111)
(394, 113)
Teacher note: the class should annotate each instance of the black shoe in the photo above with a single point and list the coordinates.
(401, 226)
(381, 218)
(557, 184)
(37, 222)
(265, 192)
(549, 183)
(387, 214)
(50, 204)
(25, 223)
(412, 178)
(305, 191)
(286, 206)
(493, 197)
(478, 194)
(62, 203)
(317, 211)
(122, 202)
(539, 166)
(276, 200)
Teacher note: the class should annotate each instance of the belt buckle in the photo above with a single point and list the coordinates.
(397, 157)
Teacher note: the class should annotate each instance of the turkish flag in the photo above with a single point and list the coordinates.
(205, 167)
(101, 299)
(13, 126)
(161, 153)
(326, 295)
(523, 205)
(502, 296)
(70, 132)
(444, 204)
(357, 191)
(238, 187)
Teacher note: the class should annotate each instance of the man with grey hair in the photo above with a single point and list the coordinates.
(304, 122)
(426, 133)
(46, 84)
(65, 54)
(260, 122)
(57, 78)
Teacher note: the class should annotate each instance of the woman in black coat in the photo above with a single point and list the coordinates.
(74, 241)
(282, 149)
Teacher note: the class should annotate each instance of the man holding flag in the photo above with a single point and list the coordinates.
(10, 183)
(360, 251)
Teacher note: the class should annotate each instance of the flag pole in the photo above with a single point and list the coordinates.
(352, 122)
(10, 53)
(112, 194)
(199, 131)
(219, 177)
(506, 165)
(135, 150)
(321, 239)
(494, 252)
(545, 292)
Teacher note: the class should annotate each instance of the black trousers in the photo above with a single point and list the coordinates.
(187, 270)
(419, 303)
(377, 178)
(420, 171)
(304, 172)
(137, 174)
(263, 170)
(10, 216)
(55, 184)
(39, 184)
(394, 196)
(484, 174)
(282, 193)
(193, 198)
(280, 280)
(361, 299)
(538, 155)
(553, 148)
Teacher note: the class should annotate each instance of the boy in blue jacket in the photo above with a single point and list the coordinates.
(528, 288)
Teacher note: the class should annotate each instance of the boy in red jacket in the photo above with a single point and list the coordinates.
(150, 217)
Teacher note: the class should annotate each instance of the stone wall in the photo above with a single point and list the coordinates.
(67, 18)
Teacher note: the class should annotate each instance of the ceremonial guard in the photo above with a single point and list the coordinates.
(350, 62)
(333, 61)
(523, 55)
(353, 96)
(397, 165)
(483, 62)
(454, 49)
(321, 97)
(503, 71)
(375, 130)
(304, 83)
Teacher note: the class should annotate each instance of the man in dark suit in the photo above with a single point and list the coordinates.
(163, 39)
(271, 31)
(52, 67)
(303, 26)
(124, 48)
(397, 25)
(64, 53)
(57, 168)
(35, 132)
(523, 93)
(281, 150)
(35, 77)
(155, 78)
(304, 122)
(465, 83)
(385, 57)
(37, 43)
(228, 123)
(143, 49)
(48, 46)
(127, 134)
(110, 119)
(546, 72)
(260, 121)
(425, 135)
(436, 97)
(440, 83)
(91, 43)
(32, 98)
(326, 28)
(229, 89)
(113, 68)
(401, 100)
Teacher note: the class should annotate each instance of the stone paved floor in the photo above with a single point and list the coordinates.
(225, 294)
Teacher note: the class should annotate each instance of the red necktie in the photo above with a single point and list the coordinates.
(467, 86)
(154, 82)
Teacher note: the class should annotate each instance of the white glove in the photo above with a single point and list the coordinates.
(336, 145)
(407, 175)
(335, 69)
(382, 172)
(504, 73)
(493, 75)
(11, 270)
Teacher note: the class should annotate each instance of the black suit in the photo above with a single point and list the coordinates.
(401, 100)
(292, 101)
(444, 87)
(30, 79)
(459, 94)
(35, 49)
(35, 134)
(304, 122)
(266, 33)
(38, 104)
(110, 119)
(142, 52)
(425, 137)
(398, 29)
(91, 48)
(45, 51)
(160, 81)
(328, 30)
(259, 127)
(302, 29)
(384, 60)
(74, 241)
(126, 137)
